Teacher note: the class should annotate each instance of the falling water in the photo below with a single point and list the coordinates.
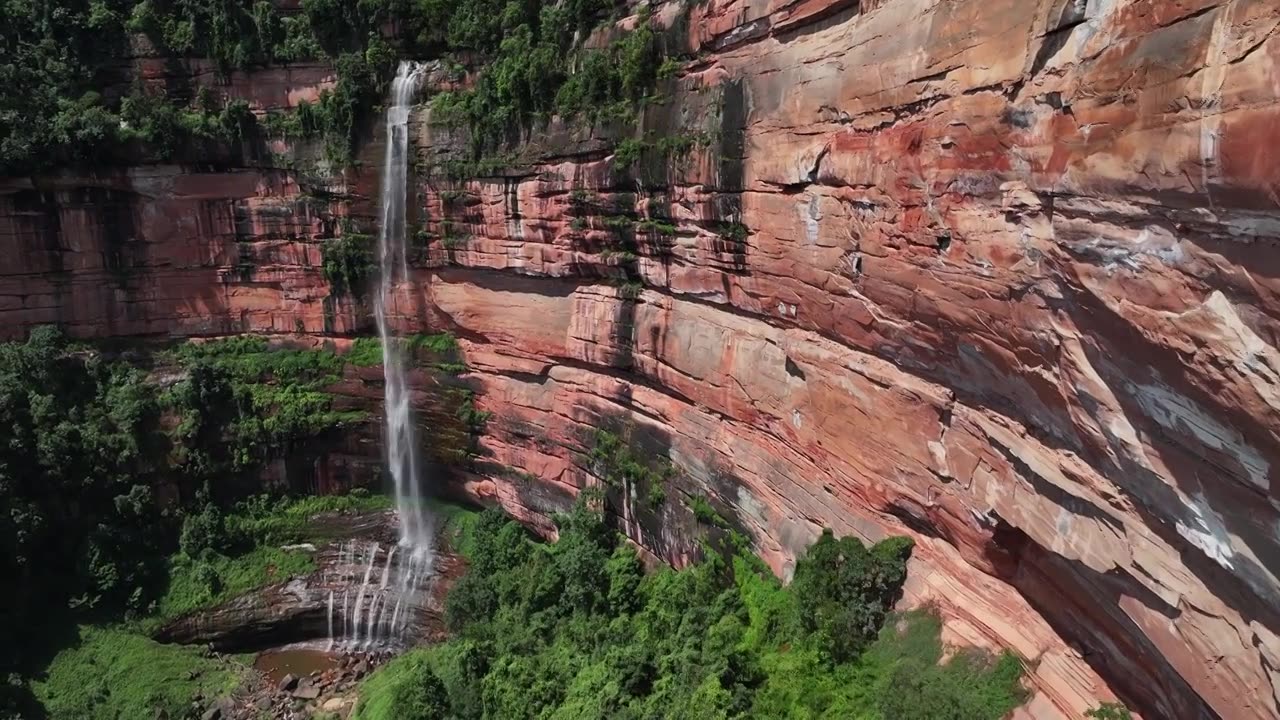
(415, 532)
(382, 587)
(330, 619)
(382, 604)
(364, 585)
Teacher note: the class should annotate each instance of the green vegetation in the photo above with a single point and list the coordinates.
(90, 439)
(472, 418)
(437, 343)
(451, 368)
(664, 149)
(1110, 711)
(367, 352)
(578, 630)
(704, 513)
(113, 673)
(244, 401)
(616, 462)
(653, 226)
(627, 152)
(81, 526)
(208, 581)
(57, 60)
(348, 261)
(735, 232)
(223, 556)
(453, 234)
(534, 68)
(58, 57)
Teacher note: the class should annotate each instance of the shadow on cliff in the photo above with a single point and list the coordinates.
(1084, 606)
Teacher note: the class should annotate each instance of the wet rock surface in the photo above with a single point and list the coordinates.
(333, 691)
(300, 609)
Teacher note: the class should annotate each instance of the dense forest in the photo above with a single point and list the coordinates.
(125, 509)
(577, 629)
(107, 472)
(68, 95)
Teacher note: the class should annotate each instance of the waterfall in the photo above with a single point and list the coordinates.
(415, 531)
(380, 592)
(364, 585)
(330, 620)
(380, 611)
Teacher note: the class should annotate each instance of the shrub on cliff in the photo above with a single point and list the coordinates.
(1109, 711)
(348, 262)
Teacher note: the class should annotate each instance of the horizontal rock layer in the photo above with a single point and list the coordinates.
(998, 275)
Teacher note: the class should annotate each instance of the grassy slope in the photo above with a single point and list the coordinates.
(115, 674)
(271, 524)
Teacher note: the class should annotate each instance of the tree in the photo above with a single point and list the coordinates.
(205, 533)
(420, 697)
(844, 591)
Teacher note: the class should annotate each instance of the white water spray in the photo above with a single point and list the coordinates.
(382, 590)
(415, 531)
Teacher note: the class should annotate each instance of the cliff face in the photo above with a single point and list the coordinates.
(999, 275)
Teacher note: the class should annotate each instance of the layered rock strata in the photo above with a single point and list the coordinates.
(998, 275)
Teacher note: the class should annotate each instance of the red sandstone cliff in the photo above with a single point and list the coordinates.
(1005, 281)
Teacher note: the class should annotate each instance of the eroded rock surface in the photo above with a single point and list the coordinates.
(1000, 275)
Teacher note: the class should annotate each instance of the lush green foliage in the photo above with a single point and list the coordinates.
(617, 463)
(578, 630)
(272, 520)
(51, 60)
(244, 400)
(224, 555)
(442, 348)
(87, 446)
(57, 57)
(535, 69)
(836, 570)
(113, 674)
(196, 583)
(348, 262)
(81, 526)
(365, 352)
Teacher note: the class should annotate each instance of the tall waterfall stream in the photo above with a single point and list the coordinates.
(376, 610)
